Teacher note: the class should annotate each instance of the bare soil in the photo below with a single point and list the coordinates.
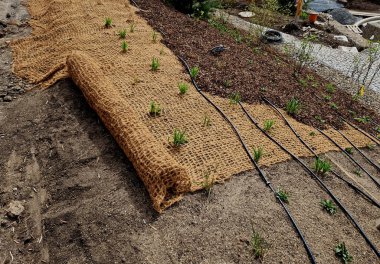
(365, 5)
(84, 203)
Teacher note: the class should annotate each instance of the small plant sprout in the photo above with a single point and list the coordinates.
(283, 195)
(303, 83)
(154, 37)
(334, 106)
(293, 106)
(358, 172)
(155, 109)
(258, 153)
(208, 183)
(183, 88)
(329, 206)
(179, 138)
(268, 124)
(206, 121)
(155, 64)
(258, 245)
(330, 88)
(123, 33)
(363, 119)
(371, 146)
(312, 134)
(108, 22)
(321, 166)
(124, 46)
(194, 72)
(342, 253)
(132, 27)
(235, 98)
(349, 150)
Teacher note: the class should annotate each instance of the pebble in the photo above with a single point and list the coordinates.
(15, 209)
(7, 98)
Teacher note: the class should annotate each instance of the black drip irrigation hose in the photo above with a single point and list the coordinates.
(377, 142)
(261, 172)
(337, 201)
(358, 150)
(350, 157)
(354, 187)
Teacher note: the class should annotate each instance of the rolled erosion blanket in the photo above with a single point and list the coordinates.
(164, 178)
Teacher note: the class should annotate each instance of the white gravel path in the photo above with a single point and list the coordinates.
(336, 59)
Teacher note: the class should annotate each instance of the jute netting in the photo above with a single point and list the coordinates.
(69, 40)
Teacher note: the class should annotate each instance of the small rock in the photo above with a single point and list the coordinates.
(348, 49)
(378, 224)
(246, 14)
(342, 38)
(15, 209)
(7, 98)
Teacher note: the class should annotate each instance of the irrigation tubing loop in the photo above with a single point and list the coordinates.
(337, 201)
(358, 150)
(350, 157)
(357, 189)
(261, 172)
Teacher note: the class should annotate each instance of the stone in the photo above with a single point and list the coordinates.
(3, 92)
(341, 38)
(15, 209)
(7, 98)
(246, 14)
(348, 49)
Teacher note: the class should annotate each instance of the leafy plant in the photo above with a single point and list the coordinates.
(124, 46)
(154, 37)
(108, 22)
(293, 106)
(183, 88)
(155, 109)
(258, 245)
(258, 153)
(208, 183)
(155, 64)
(330, 88)
(206, 121)
(342, 253)
(132, 27)
(179, 138)
(235, 98)
(363, 119)
(329, 206)
(283, 195)
(268, 124)
(321, 166)
(194, 72)
(349, 150)
(123, 33)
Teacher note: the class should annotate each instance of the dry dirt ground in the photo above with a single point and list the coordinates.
(83, 202)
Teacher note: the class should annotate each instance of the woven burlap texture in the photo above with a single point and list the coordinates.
(69, 40)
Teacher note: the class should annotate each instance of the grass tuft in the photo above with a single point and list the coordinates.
(132, 27)
(342, 253)
(349, 150)
(108, 22)
(206, 121)
(293, 106)
(258, 245)
(124, 46)
(268, 124)
(123, 33)
(179, 138)
(235, 98)
(330, 88)
(155, 64)
(154, 37)
(283, 195)
(183, 88)
(155, 109)
(194, 72)
(258, 153)
(329, 206)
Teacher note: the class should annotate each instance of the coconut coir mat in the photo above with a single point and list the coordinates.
(69, 40)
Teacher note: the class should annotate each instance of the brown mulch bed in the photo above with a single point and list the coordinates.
(254, 70)
(365, 5)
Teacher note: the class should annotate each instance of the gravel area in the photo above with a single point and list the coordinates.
(336, 59)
